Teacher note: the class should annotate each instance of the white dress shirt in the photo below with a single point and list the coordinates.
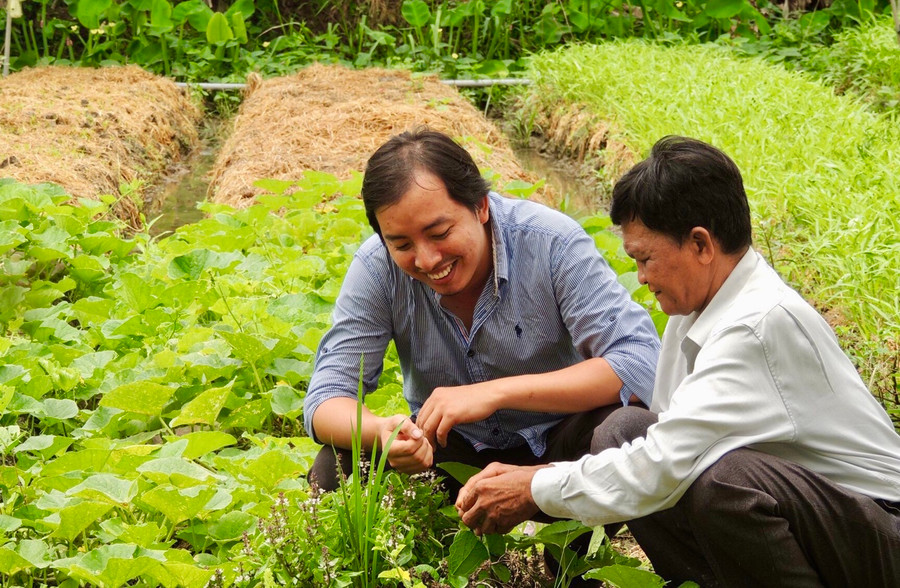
(758, 368)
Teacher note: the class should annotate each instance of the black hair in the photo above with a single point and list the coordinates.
(686, 183)
(391, 170)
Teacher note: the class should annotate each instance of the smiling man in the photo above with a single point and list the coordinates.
(763, 460)
(515, 338)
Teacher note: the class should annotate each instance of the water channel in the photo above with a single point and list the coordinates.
(175, 202)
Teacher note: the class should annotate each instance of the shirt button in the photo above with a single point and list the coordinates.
(470, 353)
(495, 431)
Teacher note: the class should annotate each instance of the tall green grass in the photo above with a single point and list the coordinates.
(822, 171)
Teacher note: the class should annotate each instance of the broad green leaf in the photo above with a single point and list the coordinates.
(231, 526)
(9, 524)
(246, 347)
(60, 409)
(46, 445)
(239, 26)
(89, 363)
(78, 517)
(218, 31)
(28, 553)
(147, 398)
(106, 488)
(286, 402)
(196, 12)
(461, 472)
(161, 16)
(201, 443)
(9, 437)
(10, 235)
(245, 7)
(250, 415)
(724, 8)
(176, 471)
(111, 565)
(466, 554)
(626, 577)
(271, 468)
(204, 408)
(561, 533)
(416, 12)
(89, 12)
(177, 504)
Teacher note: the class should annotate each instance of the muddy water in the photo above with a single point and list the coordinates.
(176, 202)
(580, 196)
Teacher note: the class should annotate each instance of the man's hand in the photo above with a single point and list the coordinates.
(449, 406)
(498, 498)
(410, 452)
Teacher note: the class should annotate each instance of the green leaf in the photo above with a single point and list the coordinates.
(416, 12)
(201, 443)
(466, 554)
(89, 12)
(9, 524)
(461, 472)
(245, 7)
(561, 533)
(231, 526)
(626, 577)
(76, 518)
(218, 31)
(286, 402)
(239, 26)
(148, 398)
(724, 8)
(177, 504)
(161, 17)
(204, 408)
(28, 553)
(60, 409)
(105, 488)
(177, 471)
(196, 12)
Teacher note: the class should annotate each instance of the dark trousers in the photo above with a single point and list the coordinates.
(753, 519)
(567, 441)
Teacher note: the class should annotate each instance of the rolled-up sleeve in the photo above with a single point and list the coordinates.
(360, 332)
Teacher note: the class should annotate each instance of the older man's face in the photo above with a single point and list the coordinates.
(674, 272)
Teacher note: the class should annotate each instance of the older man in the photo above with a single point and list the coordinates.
(764, 460)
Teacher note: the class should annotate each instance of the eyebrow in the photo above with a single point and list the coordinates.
(428, 227)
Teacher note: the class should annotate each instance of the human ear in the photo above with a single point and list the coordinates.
(482, 210)
(703, 244)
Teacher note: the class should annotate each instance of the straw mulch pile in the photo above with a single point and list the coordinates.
(331, 119)
(93, 130)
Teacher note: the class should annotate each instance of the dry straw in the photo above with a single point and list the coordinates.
(93, 130)
(331, 119)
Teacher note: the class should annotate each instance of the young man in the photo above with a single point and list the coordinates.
(514, 337)
(764, 460)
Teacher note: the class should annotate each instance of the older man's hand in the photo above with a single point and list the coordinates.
(498, 498)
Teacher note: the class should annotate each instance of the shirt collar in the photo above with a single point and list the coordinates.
(702, 323)
(500, 274)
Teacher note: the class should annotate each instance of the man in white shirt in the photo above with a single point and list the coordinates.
(763, 460)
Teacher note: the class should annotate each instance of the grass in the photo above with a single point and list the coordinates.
(820, 169)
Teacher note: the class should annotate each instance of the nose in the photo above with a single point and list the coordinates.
(427, 257)
(642, 279)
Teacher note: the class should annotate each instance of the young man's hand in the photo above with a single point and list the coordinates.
(454, 405)
(497, 498)
(410, 452)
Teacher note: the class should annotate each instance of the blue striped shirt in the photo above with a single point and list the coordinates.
(551, 302)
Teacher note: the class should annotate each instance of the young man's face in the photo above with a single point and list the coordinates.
(674, 273)
(437, 240)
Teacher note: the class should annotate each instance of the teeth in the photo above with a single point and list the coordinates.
(442, 274)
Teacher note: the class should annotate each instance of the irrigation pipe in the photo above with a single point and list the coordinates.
(458, 83)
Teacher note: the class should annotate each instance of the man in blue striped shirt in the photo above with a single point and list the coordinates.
(514, 336)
